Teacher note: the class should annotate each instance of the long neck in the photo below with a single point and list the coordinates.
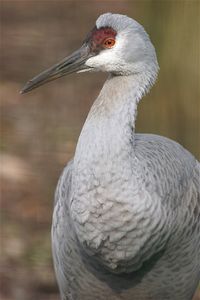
(110, 125)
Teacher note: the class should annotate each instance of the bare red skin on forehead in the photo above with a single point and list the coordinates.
(96, 37)
(99, 35)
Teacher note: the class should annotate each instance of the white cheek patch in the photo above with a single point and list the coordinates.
(108, 59)
(101, 61)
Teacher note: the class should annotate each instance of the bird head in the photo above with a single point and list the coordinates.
(117, 44)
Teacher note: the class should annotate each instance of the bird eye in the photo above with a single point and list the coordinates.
(109, 43)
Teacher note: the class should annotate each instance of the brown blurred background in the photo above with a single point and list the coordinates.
(39, 130)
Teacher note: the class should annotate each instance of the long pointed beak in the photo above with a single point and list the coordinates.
(73, 63)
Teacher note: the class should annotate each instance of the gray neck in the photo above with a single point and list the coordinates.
(110, 125)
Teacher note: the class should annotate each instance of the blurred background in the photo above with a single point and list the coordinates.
(39, 130)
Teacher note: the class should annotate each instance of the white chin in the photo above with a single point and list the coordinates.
(86, 70)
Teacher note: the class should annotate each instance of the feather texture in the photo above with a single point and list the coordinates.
(126, 221)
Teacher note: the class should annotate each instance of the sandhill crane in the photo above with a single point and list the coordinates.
(126, 220)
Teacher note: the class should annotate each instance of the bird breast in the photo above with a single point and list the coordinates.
(113, 214)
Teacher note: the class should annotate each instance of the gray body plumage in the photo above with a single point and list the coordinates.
(169, 272)
(126, 221)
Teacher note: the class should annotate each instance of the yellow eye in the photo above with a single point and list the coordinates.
(109, 43)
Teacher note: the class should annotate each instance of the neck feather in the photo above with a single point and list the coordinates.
(110, 125)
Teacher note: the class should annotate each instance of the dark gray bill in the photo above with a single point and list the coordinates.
(73, 63)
